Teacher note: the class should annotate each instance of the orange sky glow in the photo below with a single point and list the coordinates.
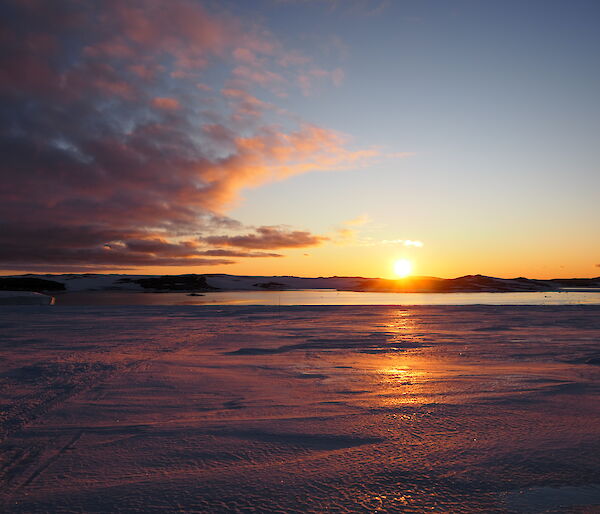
(300, 138)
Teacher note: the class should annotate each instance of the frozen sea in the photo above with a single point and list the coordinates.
(278, 408)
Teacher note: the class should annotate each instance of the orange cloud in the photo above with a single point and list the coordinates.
(274, 155)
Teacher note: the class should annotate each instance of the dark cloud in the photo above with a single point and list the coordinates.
(234, 253)
(62, 246)
(269, 237)
(113, 152)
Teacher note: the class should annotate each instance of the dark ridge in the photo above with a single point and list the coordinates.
(576, 282)
(271, 285)
(29, 284)
(174, 283)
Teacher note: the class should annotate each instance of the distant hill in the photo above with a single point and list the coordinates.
(29, 283)
(223, 282)
(468, 283)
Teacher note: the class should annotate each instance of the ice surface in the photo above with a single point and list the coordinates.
(300, 409)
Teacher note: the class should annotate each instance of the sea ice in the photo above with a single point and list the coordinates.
(299, 409)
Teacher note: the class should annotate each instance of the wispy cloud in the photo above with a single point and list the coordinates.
(347, 233)
(359, 221)
(313, 78)
(403, 242)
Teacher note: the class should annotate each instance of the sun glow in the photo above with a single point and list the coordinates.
(402, 268)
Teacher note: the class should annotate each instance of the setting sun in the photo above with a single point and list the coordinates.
(402, 268)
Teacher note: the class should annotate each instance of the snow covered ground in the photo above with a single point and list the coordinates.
(300, 409)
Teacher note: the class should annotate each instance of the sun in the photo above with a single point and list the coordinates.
(402, 268)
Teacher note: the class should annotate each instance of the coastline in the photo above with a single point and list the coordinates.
(321, 297)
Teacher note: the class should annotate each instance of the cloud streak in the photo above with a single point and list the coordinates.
(271, 237)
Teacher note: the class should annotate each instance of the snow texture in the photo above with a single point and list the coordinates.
(300, 409)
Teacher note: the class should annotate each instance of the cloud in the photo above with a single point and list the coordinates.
(363, 219)
(347, 233)
(271, 237)
(245, 105)
(235, 253)
(81, 246)
(308, 80)
(404, 242)
(355, 7)
(344, 236)
(271, 154)
(166, 103)
(120, 149)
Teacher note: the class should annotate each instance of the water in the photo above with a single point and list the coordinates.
(327, 297)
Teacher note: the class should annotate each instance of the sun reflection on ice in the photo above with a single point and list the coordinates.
(401, 374)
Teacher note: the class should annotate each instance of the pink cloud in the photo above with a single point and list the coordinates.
(293, 59)
(261, 77)
(245, 105)
(144, 72)
(185, 30)
(246, 56)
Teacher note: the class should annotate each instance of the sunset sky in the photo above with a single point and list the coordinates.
(300, 137)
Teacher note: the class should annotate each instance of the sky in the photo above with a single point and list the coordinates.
(300, 137)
